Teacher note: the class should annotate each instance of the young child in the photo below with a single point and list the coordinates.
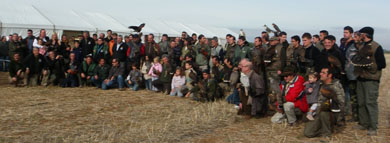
(312, 88)
(155, 71)
(134, 77)
(178, 81)
(145, 72)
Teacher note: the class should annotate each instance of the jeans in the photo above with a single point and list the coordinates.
(133, 85)
(234, 98)
(177, 91)
(97, 82)
(116, 81)
(4, 63)
(148, 84)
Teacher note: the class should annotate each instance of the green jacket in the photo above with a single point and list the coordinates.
(17, 47)
(102, 71)
(88, 70)
(202, 54)
(100, 52)
(241, 52)
(166, 73)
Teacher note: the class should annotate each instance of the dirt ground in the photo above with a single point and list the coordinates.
(71, 115)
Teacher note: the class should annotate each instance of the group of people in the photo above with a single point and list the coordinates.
(310, 79)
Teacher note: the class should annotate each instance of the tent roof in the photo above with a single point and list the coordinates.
(103, 22)
(160, 26)
(67, 20)
(18, 15)
(201, 30)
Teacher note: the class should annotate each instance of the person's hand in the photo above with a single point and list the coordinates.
(307, 82)
(88, 77)
(18, 73)
(96, 77)
(106, 81)
(69, 71)
(279, 72)
(129, 82)
(82, 75)
(58, 57)
(14, 79)
(112, 78)
(240, 106)
(310, 90)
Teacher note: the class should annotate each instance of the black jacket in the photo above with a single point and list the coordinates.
(121, 52)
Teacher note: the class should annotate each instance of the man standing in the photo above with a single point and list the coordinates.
(368, 80)
(100, 51)
(120, 51)
(87, 44)
(164, 44)
(242, 51)
(312, 55)
(257, 57)
(202, 53)
(295, 55)
(151, 49)
(29, 40)
(349, 50)
(216, 50)
(274, 60)
(15, 46)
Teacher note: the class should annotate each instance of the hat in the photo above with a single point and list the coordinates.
(367, 30)
(135, 36)
(206, 71)
(165, 56)
(289, 70)
(274, 38)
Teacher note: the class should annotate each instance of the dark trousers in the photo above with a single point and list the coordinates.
(165, 87)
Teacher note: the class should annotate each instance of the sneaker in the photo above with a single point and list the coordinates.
(371, 133)
(236, 107)
(310, 117)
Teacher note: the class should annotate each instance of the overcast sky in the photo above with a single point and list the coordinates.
(295, 17)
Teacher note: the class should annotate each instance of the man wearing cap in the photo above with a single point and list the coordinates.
(369, 75)
(274, 60)
(292, 101)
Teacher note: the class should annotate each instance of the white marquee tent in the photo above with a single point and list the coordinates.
(17, 18)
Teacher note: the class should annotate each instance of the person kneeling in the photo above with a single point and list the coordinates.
(115, 77)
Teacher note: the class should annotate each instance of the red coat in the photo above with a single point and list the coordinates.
(293, 92)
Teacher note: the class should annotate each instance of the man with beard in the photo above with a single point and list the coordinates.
(151, 49)
(133, 52)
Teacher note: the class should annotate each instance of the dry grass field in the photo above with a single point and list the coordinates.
(72, 115)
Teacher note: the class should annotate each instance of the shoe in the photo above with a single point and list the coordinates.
(359, 127)
(310, 117)
(121, 89)
(236, 107)
(371, 133)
